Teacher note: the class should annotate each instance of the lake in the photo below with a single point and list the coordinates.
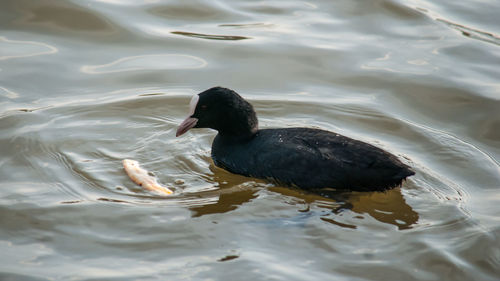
(86, 84)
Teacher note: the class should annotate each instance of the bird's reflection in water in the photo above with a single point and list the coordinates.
(235, 190)
(387, 207)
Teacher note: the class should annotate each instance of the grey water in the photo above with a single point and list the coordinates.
(85, 84)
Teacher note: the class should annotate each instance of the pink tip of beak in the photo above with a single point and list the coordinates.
(187, 124)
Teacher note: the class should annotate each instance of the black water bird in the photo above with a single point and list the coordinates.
(303, 157)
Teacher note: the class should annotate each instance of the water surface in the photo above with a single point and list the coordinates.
(85, 84)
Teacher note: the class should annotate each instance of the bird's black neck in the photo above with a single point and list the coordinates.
(235, 135)
(240, 124)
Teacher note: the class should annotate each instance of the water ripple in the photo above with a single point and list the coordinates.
(23, 49)
(8, 93)
(249, 25)
(147, 62)
(210, 36)
(473, 33)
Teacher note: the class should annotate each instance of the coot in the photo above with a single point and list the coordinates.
(303, 157)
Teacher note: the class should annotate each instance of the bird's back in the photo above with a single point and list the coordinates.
(310, 159)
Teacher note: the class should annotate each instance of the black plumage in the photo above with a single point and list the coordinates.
(303, 157)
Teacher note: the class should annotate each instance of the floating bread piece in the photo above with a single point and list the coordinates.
(142, 178)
